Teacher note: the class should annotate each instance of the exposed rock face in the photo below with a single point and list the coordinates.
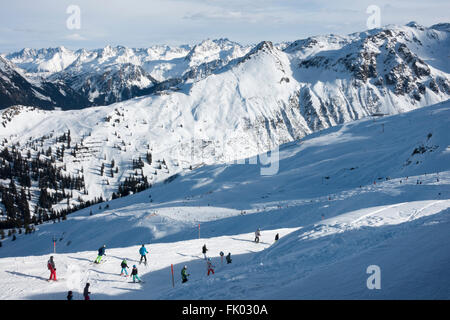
(16, 89)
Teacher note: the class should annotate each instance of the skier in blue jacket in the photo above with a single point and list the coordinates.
(101, 253)
(143, 251)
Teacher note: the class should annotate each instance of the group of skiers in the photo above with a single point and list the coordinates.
(209, 266)
(86, 293)
(134, 272)
(101, 252)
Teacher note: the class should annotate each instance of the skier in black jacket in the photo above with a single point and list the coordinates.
(86, 292)
(134, 273)
(204, 250)
(228, 257)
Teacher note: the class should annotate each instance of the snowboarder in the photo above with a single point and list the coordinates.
(204, 250)
(210, 266)
(228, 258)
(143, 251)
(184, 274)
(277, 236)
(52, 268)
(86, 292)
(134, 273)
(257, 235)
(124, 266)
(69, 295)
(101, 253)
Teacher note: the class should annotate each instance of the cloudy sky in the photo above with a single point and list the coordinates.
(96, 23)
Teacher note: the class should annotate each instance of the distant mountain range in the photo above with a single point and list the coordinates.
(368, 68)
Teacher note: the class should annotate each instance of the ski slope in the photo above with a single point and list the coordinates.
(370, 192)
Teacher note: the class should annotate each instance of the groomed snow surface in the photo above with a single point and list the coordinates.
(371, 192)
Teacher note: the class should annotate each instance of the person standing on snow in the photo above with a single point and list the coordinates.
(69, 295)
(257, 235)
(210, 266)
(124, 266)
(101, 253)
(134, 273)
(52, 268)
(86, 292)
(143, 251)
(228, 257)
(204, 250)
(184, 275)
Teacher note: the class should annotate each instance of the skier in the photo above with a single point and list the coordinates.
(124, 266)
(184, 275)
(204, 250)
(277, 236)
(52, 268)
(134, 273)
(69, 295)
(143, 251)
(210, 266)
(228, 257)
(101, 253)
(257, 235)
(86, 292)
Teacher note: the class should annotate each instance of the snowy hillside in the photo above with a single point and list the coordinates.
(224, 102)
(370, 192)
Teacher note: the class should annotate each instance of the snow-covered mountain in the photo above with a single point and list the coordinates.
(225, 102)
(113, 74)
(365, 193)
(16, 88)
(336, 78)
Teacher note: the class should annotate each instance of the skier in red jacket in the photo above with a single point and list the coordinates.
(52, 268)
(209, 266)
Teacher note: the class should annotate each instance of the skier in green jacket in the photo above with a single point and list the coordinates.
(124, 266)
(184, 274)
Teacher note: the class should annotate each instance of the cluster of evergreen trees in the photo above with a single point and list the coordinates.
(138, 164)
(43, 174)
(36, 183)
(132, 184)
